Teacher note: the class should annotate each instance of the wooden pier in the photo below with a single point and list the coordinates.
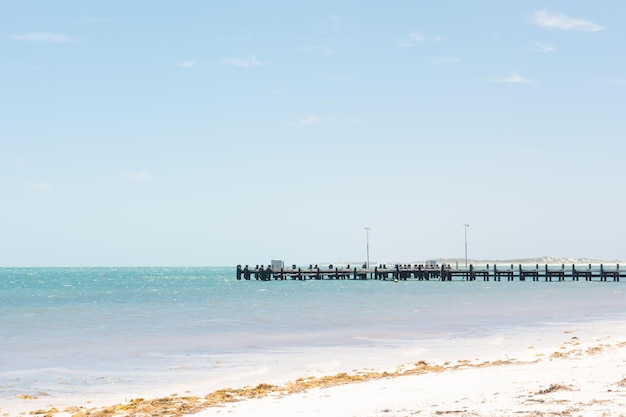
(436, 273)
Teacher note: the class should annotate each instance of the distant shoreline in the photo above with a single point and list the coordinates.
(545, 260)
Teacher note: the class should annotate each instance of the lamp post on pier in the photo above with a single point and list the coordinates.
(367, 236)
(465, 226)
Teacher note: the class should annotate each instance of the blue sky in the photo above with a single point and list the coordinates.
(217, 133)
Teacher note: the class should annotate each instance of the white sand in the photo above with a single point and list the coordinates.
(558, 370)
(582, 380)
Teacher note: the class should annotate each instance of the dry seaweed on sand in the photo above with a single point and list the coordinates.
(554, 388)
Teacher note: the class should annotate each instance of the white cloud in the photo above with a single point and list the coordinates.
(309, 120)
(618, 81)
(139, 176)
(333, 23)
(37, 185)
(514, 78)
(415, 38)
(334, 18)
(445, 60)
(332, 27)
(186, 64)
(248, 62)
(544, 47)
(560, 21)
(45, 37)
(403, 43)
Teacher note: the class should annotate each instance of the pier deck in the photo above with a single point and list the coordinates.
(437, 273)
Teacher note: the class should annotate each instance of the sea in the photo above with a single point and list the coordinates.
(92, 332)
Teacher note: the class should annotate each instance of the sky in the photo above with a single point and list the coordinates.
(197, 133)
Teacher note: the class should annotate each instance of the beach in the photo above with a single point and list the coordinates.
(563, 369)
(100, 342)
(583, 375)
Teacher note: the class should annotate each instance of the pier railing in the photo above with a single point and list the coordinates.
(547, 272)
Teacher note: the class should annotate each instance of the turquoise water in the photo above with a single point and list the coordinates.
(64, 329)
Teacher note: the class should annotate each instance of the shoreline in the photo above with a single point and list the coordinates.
(526, 361)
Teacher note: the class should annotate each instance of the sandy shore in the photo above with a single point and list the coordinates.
(559, 370)
(582, 375)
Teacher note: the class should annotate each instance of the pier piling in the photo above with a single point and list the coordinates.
(422, 272)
